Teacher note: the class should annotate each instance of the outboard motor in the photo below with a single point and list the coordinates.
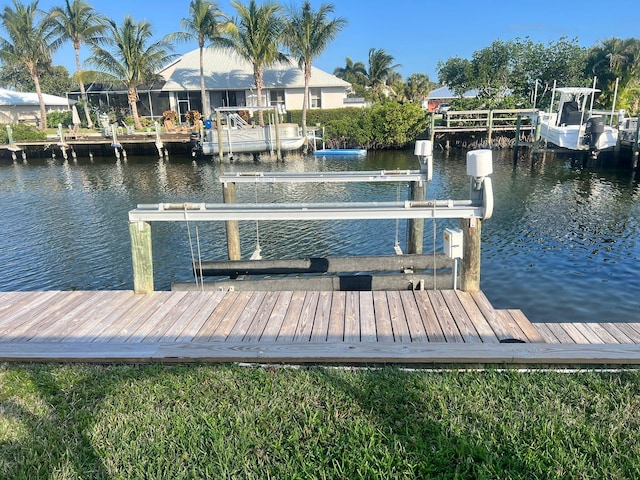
(594, 128)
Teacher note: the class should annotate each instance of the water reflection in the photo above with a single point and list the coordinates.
(561, 245)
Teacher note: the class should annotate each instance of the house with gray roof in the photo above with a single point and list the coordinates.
(24, 107)
(229, 83)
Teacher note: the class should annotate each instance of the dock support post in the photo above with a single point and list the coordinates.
(142, 257)
(536, 136)
(229, 194)
(278, 146)
(516, 146)
(636, 141)
(490, 128)
(417, 192)
(219, 129)
(432, 127)
(470, 275)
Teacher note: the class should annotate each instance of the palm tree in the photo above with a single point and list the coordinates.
(352, 72)
(206, 23)
(132, 60)
(381, 67)
(307, 34)
(418, 86)
(257, 40)
(78, 22)
(29, 42)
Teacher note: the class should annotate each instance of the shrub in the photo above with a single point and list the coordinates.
(21, 132)
(54, 118)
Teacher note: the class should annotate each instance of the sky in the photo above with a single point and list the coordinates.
(417, 33)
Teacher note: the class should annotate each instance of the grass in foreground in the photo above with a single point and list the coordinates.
(154, 421)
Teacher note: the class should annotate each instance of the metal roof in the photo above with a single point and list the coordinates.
(446, 93)
(224, 70)
(11, 97)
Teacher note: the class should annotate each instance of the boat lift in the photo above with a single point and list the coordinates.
(470, 212)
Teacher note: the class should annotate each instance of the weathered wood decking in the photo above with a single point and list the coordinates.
(426, 327)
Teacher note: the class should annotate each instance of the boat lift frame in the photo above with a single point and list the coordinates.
(470, 212)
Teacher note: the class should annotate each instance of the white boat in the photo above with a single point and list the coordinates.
(251, 139)
(574, 125)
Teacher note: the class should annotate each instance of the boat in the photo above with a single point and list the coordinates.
(252, 139)
(575, 125)
(234, 134)
(340, 152)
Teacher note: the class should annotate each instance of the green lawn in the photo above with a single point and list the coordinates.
(224, 421)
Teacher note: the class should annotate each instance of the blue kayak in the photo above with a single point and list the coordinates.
(341, 152)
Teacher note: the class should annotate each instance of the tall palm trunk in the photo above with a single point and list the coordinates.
(257, 77)
(83, 93)
(43, 107)
(206, 107)
(305, 102)
(132, 95)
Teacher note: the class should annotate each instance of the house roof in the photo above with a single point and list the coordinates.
(224, 69)
(446, 92)
(11, 97)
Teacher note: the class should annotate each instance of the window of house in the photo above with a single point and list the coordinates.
(276, 97)
(315, 98)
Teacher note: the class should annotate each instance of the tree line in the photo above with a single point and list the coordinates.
(124, 52)
(506, 74)
(518, 73)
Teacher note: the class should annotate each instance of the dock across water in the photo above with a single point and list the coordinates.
(400, 327)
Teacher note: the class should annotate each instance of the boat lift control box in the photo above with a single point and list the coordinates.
(453, 242)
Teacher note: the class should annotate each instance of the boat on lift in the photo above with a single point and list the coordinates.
(236, 135)
(572, 124)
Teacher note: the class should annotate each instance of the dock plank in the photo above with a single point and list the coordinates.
(417, 332)
(336, 317)
(246, 317)
(460, 317)
(526, 326)
(478, 320)
(323, 316)
(445, 319)
(290, 322)
(307, 317)
(384, 331)
(231, 316)
(352, 317)
(263, 314)
(186, 329)
(398, 319)
(503, 326)
(367, 318)
(432, 327)
(272, 329)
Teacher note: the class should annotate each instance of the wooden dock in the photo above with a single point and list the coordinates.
(406, 327)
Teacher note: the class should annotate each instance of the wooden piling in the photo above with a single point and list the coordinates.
(470, 275)
(516, 146)
(219, 129)
(229, 194)
(432, 127)
(634, 149)
(417, 192)
(142, 257)
(278, 146)
(490, 128)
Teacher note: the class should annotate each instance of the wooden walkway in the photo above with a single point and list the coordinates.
(409, 327)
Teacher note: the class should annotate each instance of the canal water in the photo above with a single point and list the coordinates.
(561, 246)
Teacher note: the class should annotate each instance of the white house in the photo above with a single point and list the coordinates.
(21, 107)
(229, 83)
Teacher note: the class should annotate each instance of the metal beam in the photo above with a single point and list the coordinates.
(175, 212)
(326, 177)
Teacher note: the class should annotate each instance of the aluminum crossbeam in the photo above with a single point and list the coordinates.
(172, 212)
(328, 177)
